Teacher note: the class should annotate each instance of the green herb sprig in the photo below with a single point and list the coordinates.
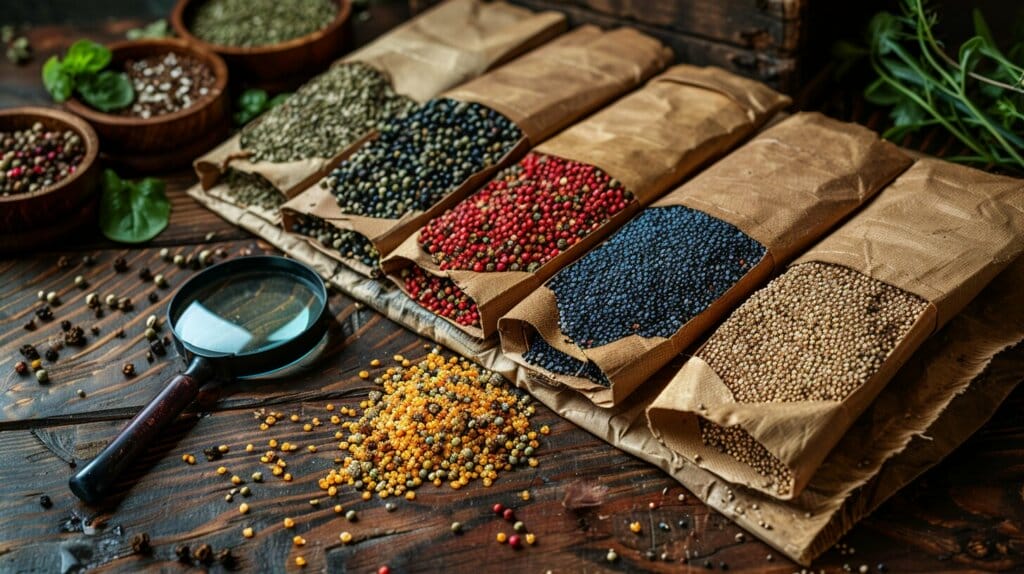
(83, 71)
(978, 96)
(254, 102)
(133, 211)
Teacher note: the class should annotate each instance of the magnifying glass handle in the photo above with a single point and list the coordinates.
(93, 482)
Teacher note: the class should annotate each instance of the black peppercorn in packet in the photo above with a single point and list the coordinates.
(541, 92)
(647, 141)
(780, 192)
(907, 263)
(440, 48)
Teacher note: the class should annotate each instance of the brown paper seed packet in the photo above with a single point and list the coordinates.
(606, 323)
(541, 93)
(776, 386)
(643, 143)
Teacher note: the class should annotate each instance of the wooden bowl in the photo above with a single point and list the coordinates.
(166, 141)
(30, 220)
(274, 67)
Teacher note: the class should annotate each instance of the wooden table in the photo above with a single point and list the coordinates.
(966, 514)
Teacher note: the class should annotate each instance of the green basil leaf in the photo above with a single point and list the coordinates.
(249, 105)
(133, 212)
(86, 57)
(107, 91)
(277, 100)
(56, 80)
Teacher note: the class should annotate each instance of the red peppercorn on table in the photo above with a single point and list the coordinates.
(965, 514)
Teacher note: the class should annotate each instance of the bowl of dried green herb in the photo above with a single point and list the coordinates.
(271, 44)
(176, 109)
(48, 176)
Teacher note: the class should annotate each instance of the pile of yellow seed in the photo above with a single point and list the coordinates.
(737, 443)
(438, 421)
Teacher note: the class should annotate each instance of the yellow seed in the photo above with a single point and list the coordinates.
(222, 470)
(191, 459)
(264, 426)
(375, 363)
(345, 537)
(311, 448)
(398, 358)
(533, 462)
(223, 448)
(634, 527)
(501, 538)
(272, 443)
(407, 363)
(338, 508)
(531, 538)
(307, 427)
(288, 522)
(300, 561)
(270, 420)
(287, 477)
(367, 495)
(545, 430)
(525, 495)
(299, 541)
(364, 374)
(236, 480)
(411, 495)
(314, 502)
(247, 532)
(335, 419)
(294, 418)
(332, 491)
(277, 471)
(329, 407)
(249, 447)
(184, 458)
(281, 463)
(243, 508)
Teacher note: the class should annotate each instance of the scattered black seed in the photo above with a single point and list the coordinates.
(158, 348)
(99, 313)
(125, 304)
(651, 555)
(75, 337)
(153, 297)
(65, 325)
(88, 260)
(683, 524)
(31, 325)
(120, 334)
(149, 357)
(120, 265)
(51, 355)
(226, 558)
(723, 565)
(128, 370)
(145, 274)
(21, 367)
(44, 313)
(203, 554)
(212, 454)
(141, 544)
(664, 526)
(29, 352)
(709, 565)
(183, 554)
(63, 262)
(45, 502)
(95, 329)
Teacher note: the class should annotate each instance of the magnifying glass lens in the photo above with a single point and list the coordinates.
(248, 312)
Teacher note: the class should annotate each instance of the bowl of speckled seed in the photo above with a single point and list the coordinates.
(48, 176)
(272, 44)
(180, 108)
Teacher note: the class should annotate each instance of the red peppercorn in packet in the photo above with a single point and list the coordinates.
(778, 194)
(575, 189)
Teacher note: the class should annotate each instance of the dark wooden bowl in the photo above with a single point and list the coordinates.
(274, 67)
(29, 221)
(166, 141)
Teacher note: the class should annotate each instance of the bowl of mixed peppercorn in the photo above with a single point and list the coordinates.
(48, 176)
(272, 44)
(177, 108)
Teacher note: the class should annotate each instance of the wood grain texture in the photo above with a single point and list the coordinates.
(967, 514)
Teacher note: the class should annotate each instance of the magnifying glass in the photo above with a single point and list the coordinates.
(242, 318)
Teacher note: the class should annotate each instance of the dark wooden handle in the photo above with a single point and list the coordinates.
(93, 482)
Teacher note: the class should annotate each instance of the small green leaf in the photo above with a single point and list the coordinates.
(277, 100)
(881, 93)
(133, 212)
(56, 80)
(86, 57)
(906, 113)
(157, 29)
(107, 91)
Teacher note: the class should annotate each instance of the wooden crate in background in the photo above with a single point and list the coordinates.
(784, 43)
